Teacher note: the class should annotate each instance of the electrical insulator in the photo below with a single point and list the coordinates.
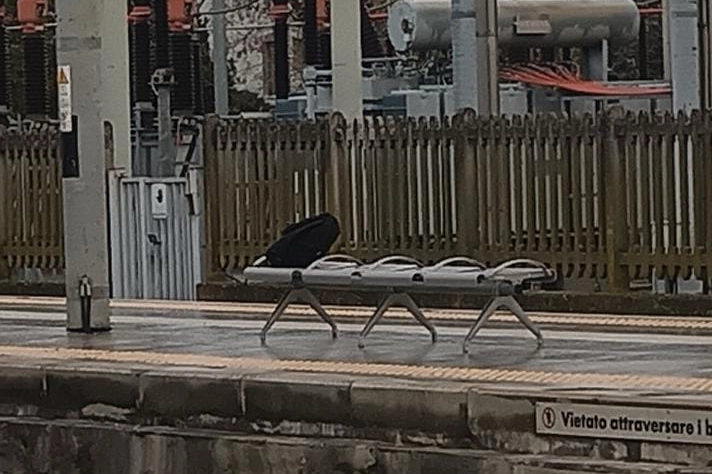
(325, 48)
(160, 42)
(140, 12)
(310, 33)
(180, 15)
(32, 15)
(322, 14)
(38, 51)
(140, 52)
(36, 81)
(370, 44)
(280, 11)
(3, 59)
(519, 55)
(182, 93)
(198, 99)
(203, 88)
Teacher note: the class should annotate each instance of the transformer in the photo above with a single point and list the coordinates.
(420, 25)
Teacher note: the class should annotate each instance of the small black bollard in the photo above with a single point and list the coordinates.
(85, 302)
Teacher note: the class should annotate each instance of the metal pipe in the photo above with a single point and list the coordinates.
(425, 24)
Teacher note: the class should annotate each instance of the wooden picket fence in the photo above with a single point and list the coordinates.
(617, 197)
(31, 229)
(612, 197)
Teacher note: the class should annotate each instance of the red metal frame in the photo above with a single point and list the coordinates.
(279, 11)
(180, 15)
(32, 15)
(139, 14)
(322, 14)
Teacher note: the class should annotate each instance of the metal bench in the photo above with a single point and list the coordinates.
(399, 276)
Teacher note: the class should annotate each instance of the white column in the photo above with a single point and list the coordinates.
(92, 40)
(684, 60)
(347, 93)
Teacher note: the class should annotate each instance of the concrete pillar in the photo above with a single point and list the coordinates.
(220, 59)
(474, 50)
(464, 67)
(486, 48)
(94, 44)
(684, 60)
(347, 93)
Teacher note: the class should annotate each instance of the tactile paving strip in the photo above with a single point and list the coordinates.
(558, 319)
(470, 374)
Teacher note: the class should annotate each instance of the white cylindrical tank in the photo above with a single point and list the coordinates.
(421, 25)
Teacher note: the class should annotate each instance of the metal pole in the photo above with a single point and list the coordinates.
(94, 46)
(347, 94)
(220, 59)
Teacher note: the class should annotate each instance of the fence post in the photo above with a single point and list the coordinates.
(335, 185)
(465, 183)
(616, 206)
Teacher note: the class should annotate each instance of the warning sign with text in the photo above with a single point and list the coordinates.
(621, 422)
(64, 96)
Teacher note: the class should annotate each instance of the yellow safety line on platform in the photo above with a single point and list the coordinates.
(471, 374)
(565, 319)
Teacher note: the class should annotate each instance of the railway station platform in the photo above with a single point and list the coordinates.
(186, 387)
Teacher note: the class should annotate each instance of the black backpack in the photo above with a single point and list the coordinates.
(304, 242)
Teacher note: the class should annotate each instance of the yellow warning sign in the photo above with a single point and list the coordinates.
(62, 79)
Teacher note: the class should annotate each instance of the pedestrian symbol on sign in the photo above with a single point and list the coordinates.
(548, 417)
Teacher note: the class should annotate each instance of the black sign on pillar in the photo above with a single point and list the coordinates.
(70, 151)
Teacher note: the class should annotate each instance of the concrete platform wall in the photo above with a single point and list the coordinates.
(84, 418)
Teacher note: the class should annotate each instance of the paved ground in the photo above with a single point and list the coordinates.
(573, 356)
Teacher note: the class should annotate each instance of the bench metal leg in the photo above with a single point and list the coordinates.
(296, 295)
(397, 299)
(510, 303)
